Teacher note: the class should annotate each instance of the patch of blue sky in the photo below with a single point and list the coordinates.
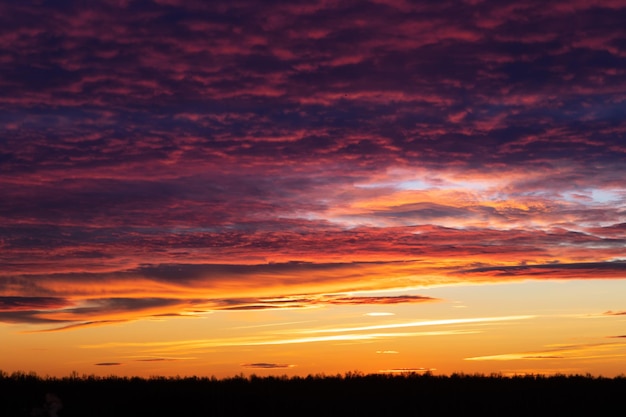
(399, 184)
(483, 187)
(413, 185)
(595, 196)
(606, 196)
(420, 184)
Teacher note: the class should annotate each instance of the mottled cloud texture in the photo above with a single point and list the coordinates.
(157, 157)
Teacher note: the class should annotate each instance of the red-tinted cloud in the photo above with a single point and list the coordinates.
(557, 270)
(176, 146)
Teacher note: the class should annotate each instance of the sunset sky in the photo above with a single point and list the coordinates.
(211, 188)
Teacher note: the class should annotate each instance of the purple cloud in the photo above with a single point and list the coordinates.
(192, 144)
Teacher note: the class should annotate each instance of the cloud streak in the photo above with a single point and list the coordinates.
(318, 335)
(614, 269)
(54, 311)
(581, 351)
(266, 365)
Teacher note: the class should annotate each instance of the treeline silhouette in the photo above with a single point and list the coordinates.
(351, 394)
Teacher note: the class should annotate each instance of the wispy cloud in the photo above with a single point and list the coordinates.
(395, 299)
(187, 346)
(83, 313)
(561, 352)
(74, 326)
(72, 316)
(442, 322)
(346, 334)
(317, 301)
(265, 365)
(614, 313)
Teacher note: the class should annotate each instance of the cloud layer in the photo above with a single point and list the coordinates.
(167, 157)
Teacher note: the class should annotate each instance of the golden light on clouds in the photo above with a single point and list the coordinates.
(293, 197)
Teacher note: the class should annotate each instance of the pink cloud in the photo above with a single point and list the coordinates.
(197, 134)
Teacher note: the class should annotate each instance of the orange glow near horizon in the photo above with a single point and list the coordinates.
(223, 188)
(567, 330)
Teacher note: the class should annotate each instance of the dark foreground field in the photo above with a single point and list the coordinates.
(352, 394)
